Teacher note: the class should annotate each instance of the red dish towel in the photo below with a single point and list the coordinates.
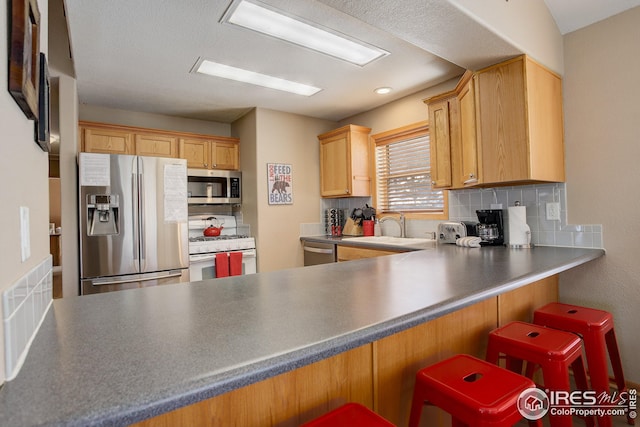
(222, 264)
(235, 263)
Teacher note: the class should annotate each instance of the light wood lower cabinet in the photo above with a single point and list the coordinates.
(380, 375)
(348, 253)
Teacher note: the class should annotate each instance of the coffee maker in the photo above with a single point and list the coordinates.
(491, 228)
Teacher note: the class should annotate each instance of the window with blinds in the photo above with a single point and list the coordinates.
(403, 173)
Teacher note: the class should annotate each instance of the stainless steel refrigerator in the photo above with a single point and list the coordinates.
(133, 222)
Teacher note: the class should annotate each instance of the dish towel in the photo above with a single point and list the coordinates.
(235, 263)
(469, 242)
(222, 264)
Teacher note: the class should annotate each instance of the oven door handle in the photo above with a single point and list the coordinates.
(102, 282)
(202, 258)
(247, 253)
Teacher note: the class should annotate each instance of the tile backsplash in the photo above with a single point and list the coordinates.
(24, 305)
(464, 203)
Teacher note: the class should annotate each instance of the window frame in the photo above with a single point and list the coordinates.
(411, 131)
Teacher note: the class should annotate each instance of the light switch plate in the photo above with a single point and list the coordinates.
(553, 211)
(25, 239)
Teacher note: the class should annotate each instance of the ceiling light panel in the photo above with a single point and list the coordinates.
(245, 76)
(266, 20)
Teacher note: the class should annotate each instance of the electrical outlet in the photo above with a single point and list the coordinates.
(553, 211)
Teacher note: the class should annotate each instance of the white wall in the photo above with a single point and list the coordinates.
(24, 170)
(602, 143)
(279, 137)
(95, 113)
(527, 25)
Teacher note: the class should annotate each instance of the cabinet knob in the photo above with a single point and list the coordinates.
(433, 183)
(346, 191)
(206, 165)
(215, 165)
(471, 175)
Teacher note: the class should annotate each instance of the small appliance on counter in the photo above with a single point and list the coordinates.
(491, 227)
(519, 233)
(449, 232)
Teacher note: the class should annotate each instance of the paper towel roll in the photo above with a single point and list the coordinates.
(519, 231)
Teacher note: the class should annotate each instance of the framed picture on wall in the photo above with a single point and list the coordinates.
(280, 181)
(24, 55)
(42, 125)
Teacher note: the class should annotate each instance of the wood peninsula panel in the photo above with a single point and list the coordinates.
(399, 357)
(286, 400)
(520, 303)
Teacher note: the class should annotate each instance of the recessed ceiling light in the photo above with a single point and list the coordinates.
(238, 74)
(267, 20)
(383, 90)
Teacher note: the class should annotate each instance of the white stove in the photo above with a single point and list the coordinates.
(203, 249)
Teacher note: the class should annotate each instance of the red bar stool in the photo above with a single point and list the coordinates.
(552, 350)
(349, 415)
(475, 392)
(598, 335)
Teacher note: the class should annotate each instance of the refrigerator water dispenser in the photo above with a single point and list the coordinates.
(102, 214)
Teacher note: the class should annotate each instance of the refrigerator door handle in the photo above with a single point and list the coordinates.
(102, 282)
(141, 221)
(134, 204)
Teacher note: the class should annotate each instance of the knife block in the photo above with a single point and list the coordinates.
(351, 228)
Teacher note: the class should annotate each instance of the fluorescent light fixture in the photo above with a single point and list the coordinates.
(274, 23)
(238, 74)
(383, 90)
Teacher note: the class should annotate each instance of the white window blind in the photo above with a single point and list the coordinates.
(403, 176)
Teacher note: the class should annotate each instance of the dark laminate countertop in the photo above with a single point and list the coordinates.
(125, 356)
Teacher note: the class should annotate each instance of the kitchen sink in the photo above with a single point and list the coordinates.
(390, 240)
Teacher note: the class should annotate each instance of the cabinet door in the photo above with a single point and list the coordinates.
(501, 96)
(440, 144)
(335, 171)
(224, 155)
(196, 151)
(349, 253)
(469, 167)
(156, 145)
(96, 140)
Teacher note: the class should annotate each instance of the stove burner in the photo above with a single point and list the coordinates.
(212, 238)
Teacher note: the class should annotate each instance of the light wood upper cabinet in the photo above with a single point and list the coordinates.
(499, 126)
(156, 145)
(200, 151)
(441, 134)
(469, 172)
(520, 122)
(209, 154)
(344, 162)
(111, 141)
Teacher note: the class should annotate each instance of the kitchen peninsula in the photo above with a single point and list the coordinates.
(276, 348)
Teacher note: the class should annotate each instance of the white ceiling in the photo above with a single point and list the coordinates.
(138, 55)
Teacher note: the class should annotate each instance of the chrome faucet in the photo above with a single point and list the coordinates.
(400, 222)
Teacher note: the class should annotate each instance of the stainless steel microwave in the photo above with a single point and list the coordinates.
(214, 186)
